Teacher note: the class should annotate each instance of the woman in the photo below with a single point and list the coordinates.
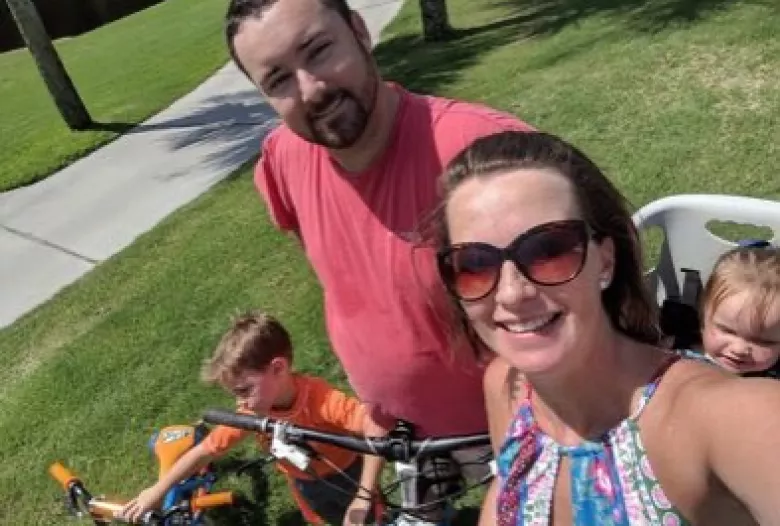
(592, 422)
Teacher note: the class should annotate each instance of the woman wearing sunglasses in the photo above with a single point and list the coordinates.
(592, 422)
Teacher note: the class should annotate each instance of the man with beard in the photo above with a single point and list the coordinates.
(351, 172)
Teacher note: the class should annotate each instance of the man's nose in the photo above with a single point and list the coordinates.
(311, 88)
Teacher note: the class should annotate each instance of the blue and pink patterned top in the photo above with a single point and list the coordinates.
(612, 482)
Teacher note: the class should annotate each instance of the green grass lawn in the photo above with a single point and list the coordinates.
(124, 71)
(667, 98)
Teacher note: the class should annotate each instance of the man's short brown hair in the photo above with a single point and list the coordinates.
(250, 344)
(240, 10)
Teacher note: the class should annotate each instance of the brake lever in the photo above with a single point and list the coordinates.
(71, 505)
(263, 461)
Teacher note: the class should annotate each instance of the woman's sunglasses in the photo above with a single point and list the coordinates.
(548, 254)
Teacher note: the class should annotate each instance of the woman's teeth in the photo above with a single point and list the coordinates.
(530, 325)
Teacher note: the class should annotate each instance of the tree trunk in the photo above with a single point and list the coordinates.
(49, 64)
(435, 22)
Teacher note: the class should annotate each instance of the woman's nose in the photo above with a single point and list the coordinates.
(513, 287)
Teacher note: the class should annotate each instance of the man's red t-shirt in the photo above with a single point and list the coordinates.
(381, 289)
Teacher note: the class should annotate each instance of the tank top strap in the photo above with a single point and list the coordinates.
(649, 390)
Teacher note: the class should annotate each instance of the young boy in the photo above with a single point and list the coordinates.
(254, 362)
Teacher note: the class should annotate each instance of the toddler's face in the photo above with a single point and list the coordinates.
(737, 340)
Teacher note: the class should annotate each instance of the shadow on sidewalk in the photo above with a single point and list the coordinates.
(234, 125)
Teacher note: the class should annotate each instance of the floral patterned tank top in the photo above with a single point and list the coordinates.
(612, 482)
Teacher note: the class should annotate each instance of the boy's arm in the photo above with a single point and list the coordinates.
(372, 465)
(150, 498)
(218, 441)
(357, 513)
(348, 413)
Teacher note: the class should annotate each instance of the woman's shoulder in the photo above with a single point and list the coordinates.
(699, 386)
(501, 380)
(693, 371)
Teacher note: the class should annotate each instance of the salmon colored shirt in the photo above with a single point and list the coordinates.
(317, 405)
(383, 299)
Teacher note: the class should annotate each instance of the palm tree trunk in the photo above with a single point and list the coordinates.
(61, 88)
(435, 21)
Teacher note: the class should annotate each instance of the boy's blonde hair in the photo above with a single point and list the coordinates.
(755, 270)
(250, 344)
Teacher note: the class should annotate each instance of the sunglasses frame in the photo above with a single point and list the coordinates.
(447, 272)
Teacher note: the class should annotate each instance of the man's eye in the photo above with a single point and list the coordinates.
(277, 82)
(319, 49)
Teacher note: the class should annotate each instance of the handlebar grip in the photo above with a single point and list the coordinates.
(62, 475)
(213, 500)
(102, 507)
(231, 419)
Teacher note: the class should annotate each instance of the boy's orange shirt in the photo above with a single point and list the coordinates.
(317, 405)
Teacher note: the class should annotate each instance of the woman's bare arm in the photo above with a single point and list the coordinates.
(499, 403)
(740, 419)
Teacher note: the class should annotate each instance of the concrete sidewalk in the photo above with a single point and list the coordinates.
(55, 231)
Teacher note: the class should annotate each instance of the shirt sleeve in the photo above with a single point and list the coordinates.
(223, 438)
(339, 409)
(271, 183)
(463, 123)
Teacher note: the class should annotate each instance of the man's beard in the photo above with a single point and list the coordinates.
(341, 118)
(344, 127)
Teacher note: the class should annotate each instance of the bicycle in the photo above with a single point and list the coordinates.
(184, 505)
(415, 481)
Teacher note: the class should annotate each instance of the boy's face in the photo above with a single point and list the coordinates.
(737, 340)
(258, 391)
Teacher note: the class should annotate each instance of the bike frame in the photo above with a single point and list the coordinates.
(168, 444)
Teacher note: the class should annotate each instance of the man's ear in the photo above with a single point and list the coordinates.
(361, 30)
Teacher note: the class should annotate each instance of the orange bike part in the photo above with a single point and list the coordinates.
(212, 500)
(62, 475)
(171, 443)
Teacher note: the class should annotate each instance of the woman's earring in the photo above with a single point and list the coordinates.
(604, 282)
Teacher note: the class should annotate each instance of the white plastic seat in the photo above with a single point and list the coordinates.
(688, 243)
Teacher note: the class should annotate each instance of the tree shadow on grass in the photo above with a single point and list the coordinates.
(249, 509)
(428, 67)
(467, 516)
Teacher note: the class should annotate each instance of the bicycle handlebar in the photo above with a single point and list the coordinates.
(398, 446)
(62, 475)
(98, 508)
(81, 499)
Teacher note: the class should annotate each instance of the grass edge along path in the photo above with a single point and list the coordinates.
(125, 72)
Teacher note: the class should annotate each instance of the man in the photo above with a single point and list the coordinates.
(351, 172)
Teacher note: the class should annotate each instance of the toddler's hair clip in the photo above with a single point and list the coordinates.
(754, 243)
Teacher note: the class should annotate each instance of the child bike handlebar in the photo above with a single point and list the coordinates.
(398, 446)
(81, 502)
